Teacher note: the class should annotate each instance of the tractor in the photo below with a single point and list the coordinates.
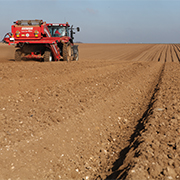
(36, 39)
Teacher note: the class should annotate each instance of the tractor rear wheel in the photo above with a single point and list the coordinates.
(47, 56)
(18, 55)
(67, 52)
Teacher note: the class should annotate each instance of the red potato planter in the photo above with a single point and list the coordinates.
(36, 39)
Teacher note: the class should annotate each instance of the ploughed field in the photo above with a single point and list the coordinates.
(114, 114)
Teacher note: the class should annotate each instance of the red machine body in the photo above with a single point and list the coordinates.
(41, 40)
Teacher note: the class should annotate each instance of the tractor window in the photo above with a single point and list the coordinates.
(57, 31)
(67, 30)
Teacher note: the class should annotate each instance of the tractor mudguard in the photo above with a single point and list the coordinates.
(7, 38)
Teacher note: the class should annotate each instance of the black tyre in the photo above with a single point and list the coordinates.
(48, 56)
(67, 52)
(76, 56)
(75, 53)
(18, 55)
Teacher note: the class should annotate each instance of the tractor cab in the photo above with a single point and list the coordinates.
(58, 30)
(61, 30)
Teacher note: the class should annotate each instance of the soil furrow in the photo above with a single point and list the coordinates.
(168, 54)
(173, 54)
(177, 54)
(125, 162)
(154, 54)
(163, 55)
(158, 55)
(159, 151)
(142, 56)
(150, 54)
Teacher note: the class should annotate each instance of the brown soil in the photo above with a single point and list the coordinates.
(114, 114)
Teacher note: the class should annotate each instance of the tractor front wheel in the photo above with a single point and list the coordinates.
(76, 57)
(18, 55)
(47, 56)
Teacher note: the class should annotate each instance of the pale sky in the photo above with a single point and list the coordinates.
(102, 21)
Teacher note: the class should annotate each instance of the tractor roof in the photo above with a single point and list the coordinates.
(58, 24)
